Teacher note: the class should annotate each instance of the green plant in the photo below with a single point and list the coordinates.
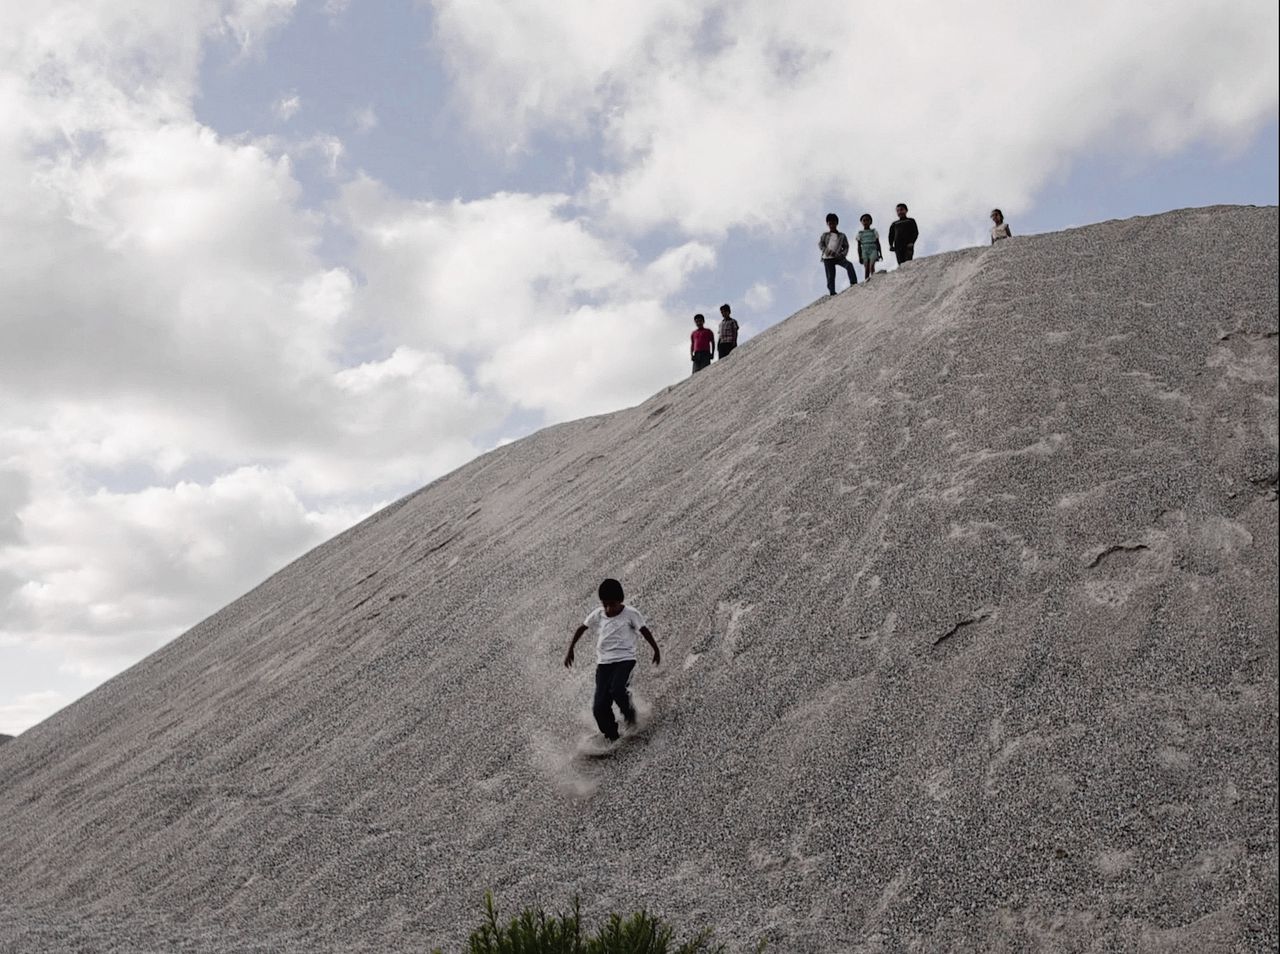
(644, 934)
(530, 932)
(536, 932)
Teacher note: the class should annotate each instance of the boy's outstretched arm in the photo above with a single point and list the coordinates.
(648, 636)
(568, 657)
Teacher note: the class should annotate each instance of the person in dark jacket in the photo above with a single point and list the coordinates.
(834, 246)
(902, 235)
(727, 339)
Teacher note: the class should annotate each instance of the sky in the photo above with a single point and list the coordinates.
(268, 265)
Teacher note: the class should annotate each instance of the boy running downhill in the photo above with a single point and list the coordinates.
(616, 626)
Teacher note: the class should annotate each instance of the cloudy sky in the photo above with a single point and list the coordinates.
(266, 265)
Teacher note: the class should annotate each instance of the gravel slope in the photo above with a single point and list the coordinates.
(966, 582)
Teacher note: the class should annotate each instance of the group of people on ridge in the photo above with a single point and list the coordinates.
(834, 244)
(834, 247)
(703, 342)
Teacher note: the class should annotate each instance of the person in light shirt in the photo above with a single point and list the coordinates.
(834, 246)
(617, 627)
(999, 228)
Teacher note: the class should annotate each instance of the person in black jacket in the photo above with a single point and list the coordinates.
(902, 235)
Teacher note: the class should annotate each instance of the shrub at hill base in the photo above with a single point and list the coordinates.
(536, 932)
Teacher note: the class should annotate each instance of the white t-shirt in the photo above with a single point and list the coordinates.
(615, 635)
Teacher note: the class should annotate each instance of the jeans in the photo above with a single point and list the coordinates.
(905, 253)
(830, 265)
(724, 349)
(611, 687)
(700, 360)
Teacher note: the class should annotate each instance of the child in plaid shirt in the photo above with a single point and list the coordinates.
(727, 339)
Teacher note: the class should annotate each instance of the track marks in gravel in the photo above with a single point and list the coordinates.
(973, 619)
(1249, 335)
(791, 857)
(1250, 359)
(724, 635)
(1266, 484)
(1114, 549)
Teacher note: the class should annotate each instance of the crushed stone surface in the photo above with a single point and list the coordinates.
(966, 586)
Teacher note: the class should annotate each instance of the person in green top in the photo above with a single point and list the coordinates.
(868, 246)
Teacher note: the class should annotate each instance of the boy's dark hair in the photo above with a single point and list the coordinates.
(832, 217)
(610, 591)
(997, 212)
(867, 216)
(725, 308)
(902, 205)
(695, 318)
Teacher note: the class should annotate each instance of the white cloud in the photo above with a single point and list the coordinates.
(759, 296)
(724, 114)
(326, 297)
(28, 709)
(251, 21)
(286, 107)
(364, 119)
(555, 317)
(530, 60)
(15, 492)
(668, 273)
(155, 561)
(594, 359)
(330, 148)
(465, 277)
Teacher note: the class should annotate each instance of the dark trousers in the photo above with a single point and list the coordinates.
(905, 253)
(724, 349)
(700, 360)
(830, 265)
(611, 688)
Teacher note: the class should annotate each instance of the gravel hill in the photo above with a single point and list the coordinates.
(966, 583)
